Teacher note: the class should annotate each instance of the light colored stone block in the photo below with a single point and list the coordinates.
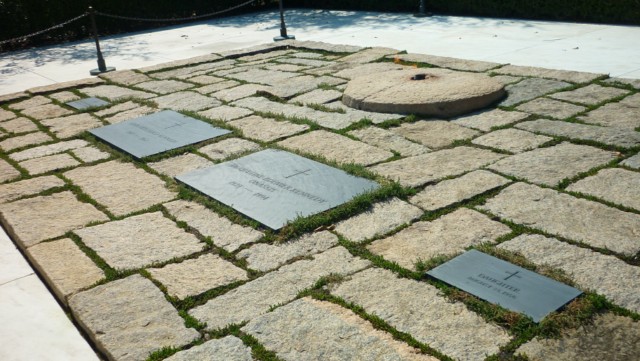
(227, 348)
(225, 113)
(266, 129)
(130, 114)
(318, 96)
(49, 149)
(619, 115)
(46, 111)
(19, 125)
(6, 115)
(239, 92)
(615, 185)
(211, 88)
(434, 133)
(228, 147)
(125, 77)
(632, 162)
(30, 103)
(117, 108)
(7, 171)
(90, 154)
(181, 164)
(446, 62)
(512, 140)
(49, 163)
(551, 108)
(114, 92)
(20, 141)
(12, 191)
(67, 127)
(564, 75)
(186, 100)
(388, 140)
(164, 86)
(592, 94)
(531, 88)
(488, 119)
(607, 135)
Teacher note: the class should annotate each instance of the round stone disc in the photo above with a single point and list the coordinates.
(435, 92)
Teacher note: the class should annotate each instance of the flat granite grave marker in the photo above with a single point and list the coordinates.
(275, 187)
(87, 103)
(157, 133)
(505, 284)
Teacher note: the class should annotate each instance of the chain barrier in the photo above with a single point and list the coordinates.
(194, 17)
(24, 37)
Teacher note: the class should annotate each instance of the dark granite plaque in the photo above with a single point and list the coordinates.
(157, 133)
(87, 103)
(275, 187)
(505, 284)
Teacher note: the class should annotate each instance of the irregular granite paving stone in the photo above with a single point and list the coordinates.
(90, 154)
(368, 70)
(181, 164)
(195, 276)
(566, 216)
(139, 241)
(49, 149)
(511, 140)
(65, 85)
(368, 55)
(307, 62)
(322, 46)
(225, 113)
(5, 98)
(381, 218)
(607, 135)
(114, 92)
(592, 94)
(446, 62)
(239, 92)
(448, 235)
(288, 88)
(456, 190)
(549, 166)
(117, 108)
(7, 171)
(33, 220)
(6, 115)
(434, 133)
(335, 147)
(27, 187)
(507, 79)
(529, 89)
(30, 103)
(266, 129)
(228, 147)
(309, 330)
(318, 96)
(551, 108)
(610, 337)
(125, 77)
(256, 297)
(19, 125)
(186, 100)
(212, 88)
(223, 232)
(287, 67)
(67, 127)
(389, 140)
(262, 76)
(46, 111)
(620, 115)
(632, 162)
(564, 75)
(130, 318)
(615, 185)
(488, 119)
(265, 257)
(229, 348)
(65, 267)
(633, 82)
(205, 79)
(130, 114)
(49, 163)
(187, 65)
(418, 309)
(120, 187)
(419, 170)
(606, 275)
(164, 86)
(20, 141)
(355, 115)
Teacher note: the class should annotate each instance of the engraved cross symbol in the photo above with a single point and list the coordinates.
(299, 172)
(514, 274)
(174, 125)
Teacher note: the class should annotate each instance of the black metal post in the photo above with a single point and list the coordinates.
(422, 11)
(102, 66)
(283, 27)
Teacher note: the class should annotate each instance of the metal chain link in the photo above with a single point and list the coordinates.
(24, 37)
(175, 19)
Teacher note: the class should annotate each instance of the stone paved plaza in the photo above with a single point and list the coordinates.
(547, 178)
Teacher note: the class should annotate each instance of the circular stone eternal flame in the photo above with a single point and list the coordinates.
(435, 92)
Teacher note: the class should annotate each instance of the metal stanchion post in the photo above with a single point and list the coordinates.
(423, 10)
(102, 66)
(283, 27)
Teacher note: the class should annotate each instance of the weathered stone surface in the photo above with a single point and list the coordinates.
(46, 111)
(382, 218)
(318, 96)
(419, 170)
(447, 235)
(6, 115)
(336, 147)
(610, 337)
(125, 77)
(7, 171)
(120, 187)
(623, 115)
(90, 154)
(211, 88)
(632, 162)
(114, 92)
(180, 164)
(117, 108)
(261, 76)
(227, 148)
(368, 55)
(195, 276)
(19, 125)
(65, 85)
(50, 149)
(389, 140)
(288, 88)
(65, 267)
(606, 135)
(286, 67)
(307, 55)
(418, 309)
(239, 92)
(130, 318)
(164, 86)
(633, 82)
(256, 297)
(434, 133)
(615, 185)
(139, 241)
(307, 330)
(549, 166)
(12, 191)
(352, 72)
(33, 220)
(10, 144)
(228, 348)
(72, 125)
(205, 79)
(321, 46)
(606, 275)
(512, 140)
(488, 119)
(355, 115)
(445, 62)
(564, 75)
(551, 108)
(30, 103)
(529, 89)
(266, 129)
(225, 113)
(12, 96)
(189, 65)
(265, 257)
(443, 93)
(49, 163)
(591, 94)
(563, 215)
(130, 114)
(456, 190)
(223, 232)
(186, 100)
(507, 79)
(307, 62)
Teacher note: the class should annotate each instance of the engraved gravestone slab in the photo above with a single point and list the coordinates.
(87, 103)
(275, 187)
(157, 133)
(505, 284)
